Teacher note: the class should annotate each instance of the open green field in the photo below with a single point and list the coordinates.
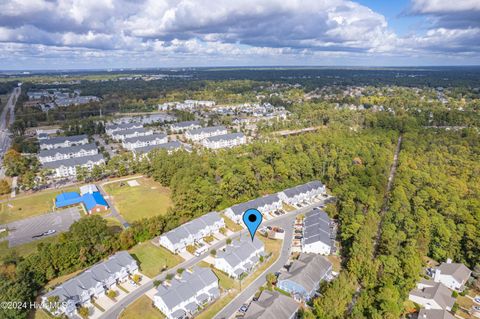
(25, 249)
(25, 206)
(153, 259)
(40, 314)
(142, 308)
(136, 202)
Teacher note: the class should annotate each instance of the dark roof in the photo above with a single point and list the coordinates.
(316, 227)
(62, 139)
(307, 271)
(225, 137)
(293, 191)
(435, 291)
(239, 209)
(130, 131)
(186, 124)
(168, 146)
(434, 314)
(271, 305)
(67, 150)
(75, 161)
(458, 271)
(145, 138)
(207, 130)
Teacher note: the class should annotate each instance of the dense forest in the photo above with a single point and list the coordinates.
(433, 209)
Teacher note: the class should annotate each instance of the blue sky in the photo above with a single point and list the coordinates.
(86, 34)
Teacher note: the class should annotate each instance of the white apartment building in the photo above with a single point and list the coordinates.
(142, 141)
(202, 133)
(266, 204)
(68, 167)
(224, 141)
(57, 154)
(130, 133)
(63, 141)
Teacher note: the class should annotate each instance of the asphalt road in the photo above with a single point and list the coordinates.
(286, 219)
(5, 139)
(22, 231)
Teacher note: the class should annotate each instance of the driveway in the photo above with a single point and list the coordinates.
(288, 218)
(22, 231)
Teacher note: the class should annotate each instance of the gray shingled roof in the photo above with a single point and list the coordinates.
(130, 131)
(123, 126)
(435, 291)
(240, 250)
(67, 150)
(434, 314)
(271, 305)
(307, 271)
(169, 146)
(146, 138)
(239, 209)
(304, 188)
(186, 287)
(317, 227)
(62, 139)
(458, 271)
(225, 137)
(185, 124)
(192, 227)
(208, 129)
(72, 288)
(75, 161)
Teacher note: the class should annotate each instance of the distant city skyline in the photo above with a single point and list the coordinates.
(102, 34)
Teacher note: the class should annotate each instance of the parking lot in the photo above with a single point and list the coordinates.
(26, 230)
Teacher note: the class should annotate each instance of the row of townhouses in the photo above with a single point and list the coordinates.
(435, 295)
(240, 256)
(92, 283)
(64, 154)
(184, 295)
(192, 232)
(270, 203)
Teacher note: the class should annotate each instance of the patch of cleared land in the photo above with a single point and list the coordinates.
(142, 308)
(25, 249)
(40, 314)
(147, 199)
(25, 206)
(153, 259)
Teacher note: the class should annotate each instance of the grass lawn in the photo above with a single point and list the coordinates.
(142, 308)
(145, 200)
(231, 224)
(153, 259)
(226, 282)
(25, 206)
(40, 314)
(25, 249)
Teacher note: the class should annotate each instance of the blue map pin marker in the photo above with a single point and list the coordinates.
(252, 218)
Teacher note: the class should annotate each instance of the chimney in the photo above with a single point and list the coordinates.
(449, 261)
